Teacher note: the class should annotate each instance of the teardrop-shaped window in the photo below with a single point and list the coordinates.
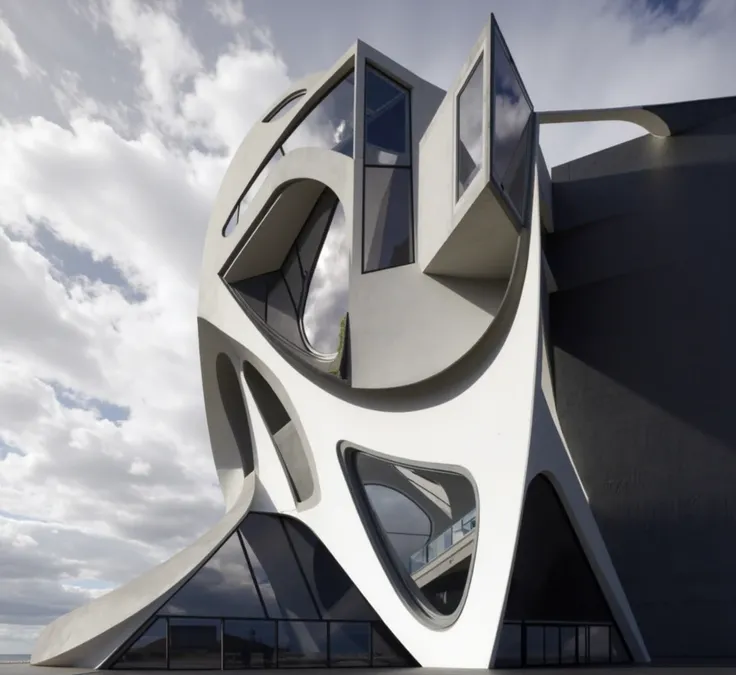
(326, 302)
(437, 571)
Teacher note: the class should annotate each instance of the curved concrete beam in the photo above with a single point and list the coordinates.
(646, 119)
(89, 635)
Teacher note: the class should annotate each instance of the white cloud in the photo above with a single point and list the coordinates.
(227, 12)
(9, 44)
(104, 499)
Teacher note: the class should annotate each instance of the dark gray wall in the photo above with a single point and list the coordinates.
(643, 329)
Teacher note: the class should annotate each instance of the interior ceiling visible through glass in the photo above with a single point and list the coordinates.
(306, 301)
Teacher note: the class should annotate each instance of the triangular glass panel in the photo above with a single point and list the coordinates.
(148, 651)
(330, 123)
(556, 612)
(223, 587)
(336, 595)
(253, 292)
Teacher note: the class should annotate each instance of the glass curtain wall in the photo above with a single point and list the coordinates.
(272, 596)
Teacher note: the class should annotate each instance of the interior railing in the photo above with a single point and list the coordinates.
(443, 542)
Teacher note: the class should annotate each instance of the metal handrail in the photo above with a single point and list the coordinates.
(443, 542)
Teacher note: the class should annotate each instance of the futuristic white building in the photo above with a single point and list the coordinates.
(376, 363)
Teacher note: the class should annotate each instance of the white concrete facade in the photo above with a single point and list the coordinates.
(447, 371)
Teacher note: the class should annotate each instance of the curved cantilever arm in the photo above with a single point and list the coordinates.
(644, 118)
(87, 636)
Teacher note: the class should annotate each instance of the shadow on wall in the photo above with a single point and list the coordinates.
(645, 366)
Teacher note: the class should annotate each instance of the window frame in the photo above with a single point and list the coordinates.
(522, 219)
(368, 64)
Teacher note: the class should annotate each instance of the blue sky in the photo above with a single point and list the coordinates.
(117, 120)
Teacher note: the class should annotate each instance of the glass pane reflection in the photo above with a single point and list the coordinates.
(223, 587)
(326, 301)
(350, 644)
(330, 124)
(148, 651)
(386, 121)
(470, 129)
(302, 644)
(511, 121)
(387, 219)
(249, 644)
(386, 649)
(284, 107)
(194, 644)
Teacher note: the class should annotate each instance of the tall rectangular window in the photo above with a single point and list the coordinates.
(469, 143)
(388, 211)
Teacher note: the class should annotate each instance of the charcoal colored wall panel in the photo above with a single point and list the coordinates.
(643, 334)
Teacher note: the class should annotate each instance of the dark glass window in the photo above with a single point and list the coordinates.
(388, 213)
(387, 120)
(387, 651)
(302, 644)
(470, 129)
(148, 651)
(282, 314)
(569, 651)
(293, 275)
(306, 301)
(231, 223)
(407, 527)
(231, 396)
(267, 537)
(330, 124)
(282, 108)
(387, 218)
(512, 125)
(534, 645)
(619, 653)
(195, 644)
(312, 235)
(224, 586)
(508, 653)
(254, 292)
(438, 570)
(599, 643)
(249, 644)
(350, 644)
(552, 645)
(336, 596)
(315, 614)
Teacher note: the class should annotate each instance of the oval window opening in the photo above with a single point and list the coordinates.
(326, 301)
(282, 108)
